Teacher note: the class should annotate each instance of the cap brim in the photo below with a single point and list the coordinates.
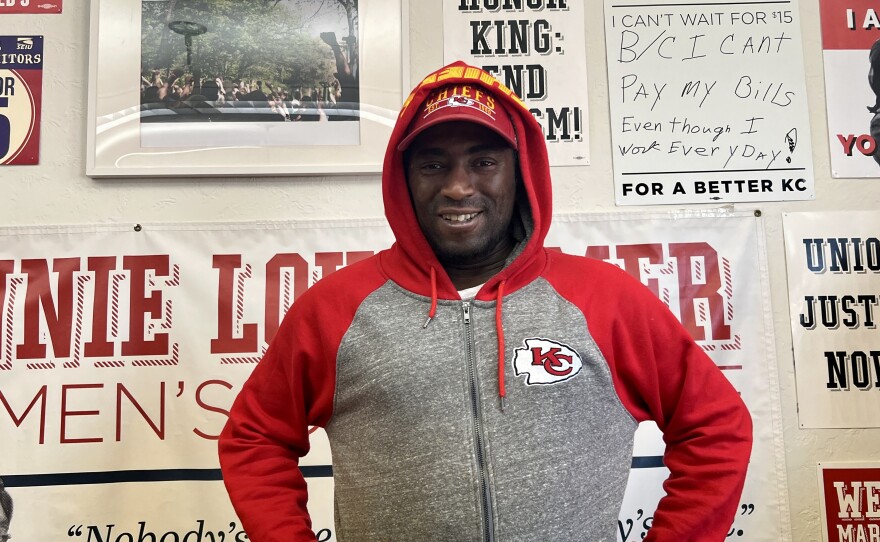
(452, 117)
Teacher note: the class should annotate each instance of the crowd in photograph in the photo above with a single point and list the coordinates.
(168, 93)
(184, 91)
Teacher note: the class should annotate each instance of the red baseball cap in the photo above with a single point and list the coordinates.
(461, 102)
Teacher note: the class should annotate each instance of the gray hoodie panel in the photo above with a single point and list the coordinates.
(403, 433)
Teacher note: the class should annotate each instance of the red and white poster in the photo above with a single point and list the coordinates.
(851, 53)
(122, 348)
(21, 92)
(30, 6)
(849, 497)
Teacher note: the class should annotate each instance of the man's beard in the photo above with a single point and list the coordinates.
(472, 254)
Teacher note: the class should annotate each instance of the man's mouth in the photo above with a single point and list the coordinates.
(466, 217)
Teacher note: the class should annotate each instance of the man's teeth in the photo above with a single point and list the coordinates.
(459, 218)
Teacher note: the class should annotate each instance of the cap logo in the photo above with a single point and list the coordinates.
(461, 96)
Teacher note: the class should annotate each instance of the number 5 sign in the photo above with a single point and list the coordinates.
(21, 89)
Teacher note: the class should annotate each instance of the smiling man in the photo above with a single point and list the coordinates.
(474, 385)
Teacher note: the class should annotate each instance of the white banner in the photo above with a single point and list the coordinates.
(537, 49)
(121, 351)
(833, 262)
(708, 102)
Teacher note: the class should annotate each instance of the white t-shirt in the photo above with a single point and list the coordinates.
(469, 293)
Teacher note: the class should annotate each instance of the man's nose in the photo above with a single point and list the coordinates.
(459, 184)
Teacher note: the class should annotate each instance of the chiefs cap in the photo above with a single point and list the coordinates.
(461, 102)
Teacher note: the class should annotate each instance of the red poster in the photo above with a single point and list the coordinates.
(850, 500)
(21, 90)
(30, 6)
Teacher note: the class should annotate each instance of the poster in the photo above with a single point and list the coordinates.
(708, 102)
(833, 262)
(30, 6)
(851, 57)
(538, 50)
(225, 73)
(849, 500)
(21, 96)
(121, 350)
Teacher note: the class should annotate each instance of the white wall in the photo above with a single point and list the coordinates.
(58, 192)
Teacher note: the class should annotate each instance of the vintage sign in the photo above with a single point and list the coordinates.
(708, 102)
(537, 49)
(849, 500)
(833, 262)
(30, 6)
(21, 90)
(121, 352)
(851, 56)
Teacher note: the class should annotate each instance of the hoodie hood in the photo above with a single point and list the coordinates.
(411, 261)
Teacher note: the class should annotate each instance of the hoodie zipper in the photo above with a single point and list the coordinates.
(485, 497)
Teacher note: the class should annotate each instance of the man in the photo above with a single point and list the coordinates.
(474, 385)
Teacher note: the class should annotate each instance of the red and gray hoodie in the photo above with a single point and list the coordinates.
(509, 417)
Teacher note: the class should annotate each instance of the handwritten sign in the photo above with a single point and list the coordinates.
(834, 300)
(536, 48)
(851, 58)
(708, 102)
(30, 6)
(21, 89)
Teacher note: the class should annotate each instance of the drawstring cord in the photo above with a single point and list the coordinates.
(433, 309)
(499, 328)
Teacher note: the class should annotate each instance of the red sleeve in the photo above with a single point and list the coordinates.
(661, 374)
(290, 389)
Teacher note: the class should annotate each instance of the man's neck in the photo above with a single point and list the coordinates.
(467, 275)
(464, 277)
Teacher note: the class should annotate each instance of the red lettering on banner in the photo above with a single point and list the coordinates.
(75, 400)
(356, 256)
(632, 256)
(210, 408)
(274, 310)
(142, 304)
(698, 276)
(228, 297)
(689, 291)
(39, 295)
(159, 430)
(39, 396)
(598, 253)
(65, 413)
(6, 267)
(328, 262)
(100, 345)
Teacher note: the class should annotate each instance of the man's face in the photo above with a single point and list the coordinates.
(462, 180)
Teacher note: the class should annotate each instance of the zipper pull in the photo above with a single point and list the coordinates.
(466, 307)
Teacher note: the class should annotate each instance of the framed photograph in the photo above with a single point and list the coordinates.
(232, 88)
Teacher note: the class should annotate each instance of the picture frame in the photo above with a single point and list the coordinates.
(129, 137)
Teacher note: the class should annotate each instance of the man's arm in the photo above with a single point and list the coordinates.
(661, 374)
(267, 433)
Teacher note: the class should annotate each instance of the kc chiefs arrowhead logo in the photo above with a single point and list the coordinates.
(545, 362)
